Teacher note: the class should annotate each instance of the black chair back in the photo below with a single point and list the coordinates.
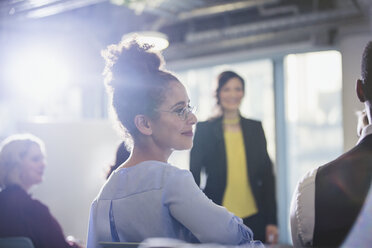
(16, 242)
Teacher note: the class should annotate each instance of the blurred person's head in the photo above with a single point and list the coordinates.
(22, 161)
(230, 91)
(364, 85)
(367, 65)
(148, 100)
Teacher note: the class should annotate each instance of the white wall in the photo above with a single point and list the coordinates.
(78, 155)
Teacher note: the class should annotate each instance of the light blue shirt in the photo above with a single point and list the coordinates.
(155, 199)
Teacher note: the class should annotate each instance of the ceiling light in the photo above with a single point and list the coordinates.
(158, 40)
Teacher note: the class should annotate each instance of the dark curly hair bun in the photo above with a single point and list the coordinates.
(131, 60)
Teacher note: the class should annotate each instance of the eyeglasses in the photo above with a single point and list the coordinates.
(182, 113)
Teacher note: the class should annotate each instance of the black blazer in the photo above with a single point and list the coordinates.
(209, 154)
(341, 187)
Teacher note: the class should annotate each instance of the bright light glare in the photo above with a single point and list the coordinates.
(157, 39)
(39, 75)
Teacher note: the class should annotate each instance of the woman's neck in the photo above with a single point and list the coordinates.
(231, 121)
(25, 187)
(141, 153)
(231, 114)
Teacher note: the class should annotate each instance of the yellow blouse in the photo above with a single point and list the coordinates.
(238, 197)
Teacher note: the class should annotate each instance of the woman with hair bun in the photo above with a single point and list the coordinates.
(147, 197)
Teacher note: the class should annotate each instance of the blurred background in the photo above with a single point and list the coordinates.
(300, 61)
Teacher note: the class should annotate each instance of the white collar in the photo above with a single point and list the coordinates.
(367, 130)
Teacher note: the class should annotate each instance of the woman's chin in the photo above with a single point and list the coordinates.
(181, 147)
(38, 181)
(231, 108)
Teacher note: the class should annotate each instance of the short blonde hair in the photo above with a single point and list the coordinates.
(12, 151)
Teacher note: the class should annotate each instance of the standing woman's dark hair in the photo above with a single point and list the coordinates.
(232, 151)
(147, 197)
(222, 79)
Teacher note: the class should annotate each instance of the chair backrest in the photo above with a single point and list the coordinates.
(118, 244)
(16, 242)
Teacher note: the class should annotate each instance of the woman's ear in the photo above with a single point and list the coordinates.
(143, 124)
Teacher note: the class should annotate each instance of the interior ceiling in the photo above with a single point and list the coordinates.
(203, 27)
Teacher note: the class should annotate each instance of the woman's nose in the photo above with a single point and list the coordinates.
(192, 119)
(42, 164)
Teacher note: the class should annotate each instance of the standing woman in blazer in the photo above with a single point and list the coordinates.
(231, 150)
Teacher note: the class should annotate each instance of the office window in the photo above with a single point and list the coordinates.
(313, 111)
